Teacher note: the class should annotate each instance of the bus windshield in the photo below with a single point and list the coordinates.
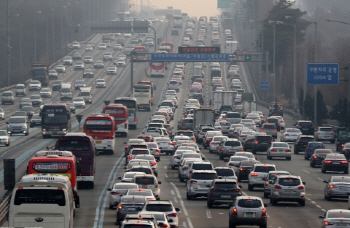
(40, 196)
(99, 125)
(127, 103)
(54, 116)
(77, 145)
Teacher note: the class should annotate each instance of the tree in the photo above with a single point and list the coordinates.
(322, 111)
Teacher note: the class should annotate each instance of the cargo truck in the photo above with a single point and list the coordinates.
(203, 116)
(249, 103)
(40, 72)
(223, 101)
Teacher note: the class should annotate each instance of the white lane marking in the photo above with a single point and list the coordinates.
(189, 222)
(320, 179)
(221, 213)
(166, 175)
(318, 206)
(323, 210)
(184, 224)
(172, 192)
(165, 167)
(179, 196)
(208, 213)
(306, 171)
(313, 202)
(175, 199)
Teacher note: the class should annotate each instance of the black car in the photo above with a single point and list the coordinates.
(76, 56)
(88, 74)
(35, 121)
(261, 143)
(199, 97)
(244, 169)
(29, 110)
(129, 204)
(223, 191)
(318, 156)
(306, 127)
(248, 143)
(302, 142)
(335, 162)
(275, 121)
(56, 85)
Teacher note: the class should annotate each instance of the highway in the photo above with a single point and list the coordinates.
(94, 211)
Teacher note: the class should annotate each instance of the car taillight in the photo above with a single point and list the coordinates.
(220, 128)
(193, 181)
(264, 212)
(275, 130)
(153, 163)
(326, 223)
(194, 139)
(278, 187)
(318, 133)
(273, 150)
(230, 164)
(126, 147)
(120, 207)
(173, 143)
(344, 162)
(213, 189)
(164, 226)
(135, 119)
(254, 174)
(332, 186)
(333, 133)
(110, 138)
(234, 211)
(286, 135)
(172, 215)
(212, 143)
(208, 139)
(177, 157)
(301, 187)
(262, 129)
(266, 183)
(123, 181)
(115, 193)
(342, 145)
(256, 142)
(242, 149)
(327, 162)
(309, 148)
(242, 169)
(315, 156)
(130, 157)
(288, 150)
(157, 151)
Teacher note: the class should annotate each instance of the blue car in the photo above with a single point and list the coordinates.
(311, 147)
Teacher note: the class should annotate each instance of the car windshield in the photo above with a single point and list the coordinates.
(27, 108)
(224, 172)
(3, 133)
(17, 120)
(338, 214)
(35, 97)
(36, 117)
(289, 181)
(249, 203)
(264, 169)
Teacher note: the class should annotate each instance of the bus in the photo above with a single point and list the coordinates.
(131, 104)
(185, 16)
(55, 120)
(169, 16)
(177, 21)
(140, 52)
(153, 87)
(143, 95)
(170, 44)
(157, 69)
(124, 16)
(119, 113)
(42, 200)
(101, 128)
(83, 147)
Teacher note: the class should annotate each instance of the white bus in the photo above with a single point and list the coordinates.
(42, 200)
(143, 95)
(177, 21)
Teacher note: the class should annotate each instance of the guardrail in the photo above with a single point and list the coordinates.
(4, 206)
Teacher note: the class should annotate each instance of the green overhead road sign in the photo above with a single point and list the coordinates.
(229, 16)
(224, 4)
(248, 57)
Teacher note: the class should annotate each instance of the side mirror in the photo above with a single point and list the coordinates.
(177, 209)
(119, 178)
(159, 182)
(124, 142)
(109, 189)
(270, 181)
(170, 220)
(240, 186)
(304, 183)
(203, 158)
(321, 217)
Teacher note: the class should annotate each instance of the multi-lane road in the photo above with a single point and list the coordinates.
(94, 210)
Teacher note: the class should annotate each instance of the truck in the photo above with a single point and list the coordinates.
(231, 46)
(203, 116)
(40, 72)
(249, 103)
(107, 39)
(275, 108)
(343, 136)
(223, 101)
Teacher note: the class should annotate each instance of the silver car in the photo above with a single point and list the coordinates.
(288, 188)
(183, 168)
(232, 129)
(175, 160)
(199, 183)
(118, 190)
(290, 135)
(258, 175)
(325, 134)
(270, 179)
(165, 145)
(228, 148)
(337, 187)
(279, 149)
(335, 218)
(213, 145)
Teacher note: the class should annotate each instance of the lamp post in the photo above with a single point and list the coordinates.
(47, 39)
(62, 51)
(35, 47)
(53, 36)
(8, 43)
(20, 44)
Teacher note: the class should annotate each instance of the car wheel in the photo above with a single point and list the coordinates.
(305, 157)
(250, 187)
(346, 171)
(26, 134)
(221, 157)
(296, 152)
(312, 164)
(323, 170)
(239, 179)
(263, 225)
(274, 202)
(111, 207)
(253, 151)
(173, 167)
(328, 198)
(266, 195)
(8, 144)
(182, 179)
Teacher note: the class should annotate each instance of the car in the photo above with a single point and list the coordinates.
(311, 147)
(274, 120)
(165, 206)
(318, 156)
(102, 46)
(234, 161)
(25, 102)
(79, 66)
(279, 149)
(79, 102)
(120, 62)
(244, 168)
(100, 83)
(67, 60)
(53, 74)
(88, 59)
(335, 162)
(270, 179)
(335, 217)
(34, 85)
(301, 143)
(98, 64)
(112, 70)
(228, 148)
(72, 107)
(107, 56)
(35, 120)
(287, 188)
(76, 56)
(29, 110)
(4, 138)
(88, 73)
(325, 134)
(46, 92)
(117, 47)
(165, 145)
(248, 210)
(270, 129)
(305, 126)
(89, 48)
(36, 100)
(18, 125)
(60, 68)
(2, 114)
(258, 175)
(209, 136)
(129, 204)
(225, 173)
(223, 191)
(261, 143)
(290, 135)
(56, 85)
(199, 182)
(345, 149)
(76, 45)
(337, 187)
(147, 193)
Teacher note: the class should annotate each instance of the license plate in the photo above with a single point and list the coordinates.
(232, 150)
(225, 196)
(341, 224)
(144, 186)
(288, 191)
(98, 142)
(54, 133)
(280, 150)
(336, 163)
(305, 129)
(249, 214)
(131, 209)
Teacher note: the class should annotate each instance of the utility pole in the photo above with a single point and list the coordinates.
(315, 60)
(53, 36)
(8, 45)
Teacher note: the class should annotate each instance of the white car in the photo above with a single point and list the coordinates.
(100, 83)
(117, 47)
(102, 46)
(171, 92)
(281, 121)
(4, 138)
(118, 190)
(279, 149)
(46, 92)
(89, 48)
(127, 34)
(34, 85)
(193, 102)
(128, 176)
(290, 135)
(79, 102)
(120, 62)
(2, 114)
(76, 45)
(60, 69)
(111, 70)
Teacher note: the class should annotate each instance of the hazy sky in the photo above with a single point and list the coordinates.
(194, 8)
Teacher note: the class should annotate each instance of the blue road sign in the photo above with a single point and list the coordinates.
(175, 57)
(322, 73)
(265, 85)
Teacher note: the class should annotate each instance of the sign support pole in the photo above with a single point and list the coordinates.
(348, 90)
(132, 71)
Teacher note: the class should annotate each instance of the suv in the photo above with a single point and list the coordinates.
(133, 145)
(233, 117)
(174, 85)
(311, 147)
(302, 142)
(223, 191)
(21, 90)
(7, 97)
(261, 143)
(139, 221)
(318, 156)
(165, 206)
(258, 175)
(198, 165)
(199, 183)
(305, 126)
(270, 179)
(18, 125)
(248, 210)
(201, 130)
(325, 134)
(244, 169)
(209, 136)
(288, 188)
(270, 129)
(228, 148)
(274, 120)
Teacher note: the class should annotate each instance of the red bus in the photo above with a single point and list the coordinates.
(101, 128)
(168, 43)
(56, 162)
(141, 52)
(157, 69)
(169, 16)
(120, 114)
(153, 87)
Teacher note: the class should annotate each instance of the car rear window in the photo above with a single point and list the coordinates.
(224, 172)
(338, 214)
(326, 129)
(225, 185)
(138, 226)
(207, 129)
(305, 124)
(145, 170)
(232, 143)
(189, 133)
(202, 166)
(174, 82)
(270, 126)
(249, 203)
(289, 181)
(204, 176)
(138, 146)
(264, 138)
(316, 145)
(306, 139)
(191, 155)
(159, 207)
(264, 169)
(135, 152)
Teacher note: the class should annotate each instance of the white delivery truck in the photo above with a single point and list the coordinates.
(203, 116)
(223, 101)
(231, 46)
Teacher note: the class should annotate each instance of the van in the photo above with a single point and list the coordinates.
(21, 90)
(233, 117)
(86, 94)
(148, 181)
(174, 85)
(185, 124)
(7, 97)
(66, 91)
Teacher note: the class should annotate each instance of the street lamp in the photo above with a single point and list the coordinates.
(62, 52)
(35, 48)
(53, 36)
(20, 44)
